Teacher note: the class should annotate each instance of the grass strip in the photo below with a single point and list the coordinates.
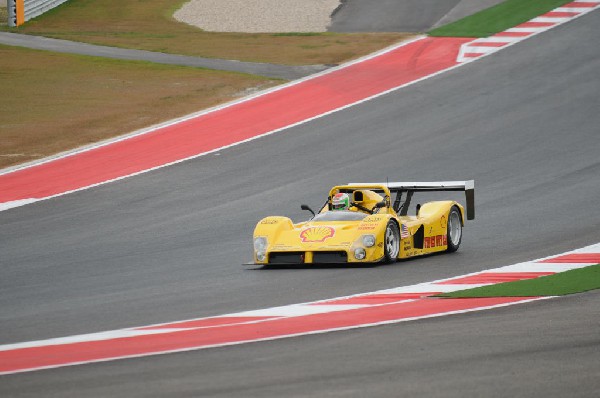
(55, 102)
(560, 284)
(497, 18)
(149, 25)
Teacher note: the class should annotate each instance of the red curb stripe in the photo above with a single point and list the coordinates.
(535, 25)
(473, 55)
(491, 277)
(23, 359)
(580, 4)
(592, 258)
(560, 14)
(512, 34)
(488, 44)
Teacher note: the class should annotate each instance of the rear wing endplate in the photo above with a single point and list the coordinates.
(467, 186)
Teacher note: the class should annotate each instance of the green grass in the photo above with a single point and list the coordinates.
(498, 18)
(560, 284)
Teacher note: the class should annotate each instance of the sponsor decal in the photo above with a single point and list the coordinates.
(269, 222)
(435, 241)
(316, 234)
(443, 222)
(438, 240)
(368, 226)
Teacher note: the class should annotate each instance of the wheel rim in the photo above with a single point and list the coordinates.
(454, 227)
(392, 243)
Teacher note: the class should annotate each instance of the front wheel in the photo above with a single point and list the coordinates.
(454, 229)
(391, 244)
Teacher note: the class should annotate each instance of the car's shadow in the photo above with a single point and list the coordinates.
(273, 267)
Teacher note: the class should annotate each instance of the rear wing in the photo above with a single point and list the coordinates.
(411, 187)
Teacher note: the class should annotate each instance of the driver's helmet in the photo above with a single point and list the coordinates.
(340, 201)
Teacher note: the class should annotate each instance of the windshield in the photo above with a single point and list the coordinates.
(340, 216)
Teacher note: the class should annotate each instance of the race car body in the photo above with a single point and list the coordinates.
(370, 229)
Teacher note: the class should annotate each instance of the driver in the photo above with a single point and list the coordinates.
(341, 201)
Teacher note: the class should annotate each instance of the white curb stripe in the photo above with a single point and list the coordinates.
(433, 287)
(299, 310)
(541, 267)
(481, 49)
(497, 39)
(521, 30)
(550, 19)
(569, 9)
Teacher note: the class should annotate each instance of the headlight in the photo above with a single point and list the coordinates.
(260, 248)
(360, 253)
(368, 240)
(260, 244)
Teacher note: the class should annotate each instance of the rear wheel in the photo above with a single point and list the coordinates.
(391, 244)
(454, 229)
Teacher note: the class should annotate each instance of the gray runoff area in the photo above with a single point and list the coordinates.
(402, 15)
(71, 47)
(167, 245)
(351, 16)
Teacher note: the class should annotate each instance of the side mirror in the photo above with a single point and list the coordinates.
(306, 207)
(379, 205)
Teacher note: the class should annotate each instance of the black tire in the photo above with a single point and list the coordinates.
(391, 244)
(454, 229)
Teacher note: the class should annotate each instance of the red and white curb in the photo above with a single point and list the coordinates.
(485, 46)
(361, 310)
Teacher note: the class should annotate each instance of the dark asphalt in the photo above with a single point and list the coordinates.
(168, 245)
(71, 47)
(402, 15)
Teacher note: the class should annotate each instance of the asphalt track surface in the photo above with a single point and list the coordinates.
(71, 47)
(168, 245)
(403, 15)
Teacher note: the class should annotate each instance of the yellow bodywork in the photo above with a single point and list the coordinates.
(316, 241)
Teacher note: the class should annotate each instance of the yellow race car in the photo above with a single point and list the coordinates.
(359, 223)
